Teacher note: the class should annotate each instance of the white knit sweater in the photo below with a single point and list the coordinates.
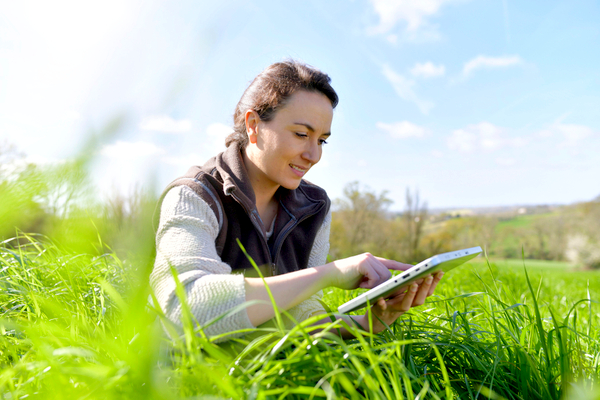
(186, 240)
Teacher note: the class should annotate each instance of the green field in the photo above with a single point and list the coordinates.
(79, 326)
(521, 221)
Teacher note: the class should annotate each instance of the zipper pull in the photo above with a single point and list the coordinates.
(273, 269)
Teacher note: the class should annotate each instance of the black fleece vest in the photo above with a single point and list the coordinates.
(224, 185)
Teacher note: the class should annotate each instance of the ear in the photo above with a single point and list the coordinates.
(252, 120)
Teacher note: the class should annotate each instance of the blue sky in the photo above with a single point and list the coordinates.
(473, 103)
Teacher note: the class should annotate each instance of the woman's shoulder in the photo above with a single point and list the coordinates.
(313, 191)
(183, 200)
(194, 192)
(201, 182)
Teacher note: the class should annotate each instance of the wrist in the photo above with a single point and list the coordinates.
(327, 274)
(364, 322)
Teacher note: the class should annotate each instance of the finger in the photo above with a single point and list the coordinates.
(423, 291)
(398, 292)
(436, 279)
(378, 272)
(395, 265)
(403, 289)
(382, 304)
(384, 273)
(403, 302)
(409, 298)
(371, 277)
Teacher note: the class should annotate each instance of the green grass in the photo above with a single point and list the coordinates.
(521, 221)
(79, 326)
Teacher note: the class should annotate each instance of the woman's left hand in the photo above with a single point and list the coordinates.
(389, 310)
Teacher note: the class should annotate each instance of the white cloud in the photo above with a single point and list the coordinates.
(489, 135)
(219, 130)
(185, 161)
(43, 161)
(130, 150)
(483, 136)
(393, 39)
(573, 134)
(413, 12)
(506, 162)
(217, 133)
(428, 70)
(212, 142)
(546, 133)
(402, 130)
(69, 115)
(490, 62)
(462, 140)
(404, 89)
(164, 123)
(437, 153)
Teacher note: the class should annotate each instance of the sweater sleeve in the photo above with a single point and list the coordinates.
(318, 256)
(185, 240)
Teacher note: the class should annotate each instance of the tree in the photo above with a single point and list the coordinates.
(359, 222)
(414, 217)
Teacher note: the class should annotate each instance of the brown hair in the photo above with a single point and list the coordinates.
(270, 90)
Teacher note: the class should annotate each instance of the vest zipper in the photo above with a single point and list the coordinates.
(256, 225)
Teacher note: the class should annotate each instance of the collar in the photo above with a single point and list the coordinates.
(306, 199)
(232, 169)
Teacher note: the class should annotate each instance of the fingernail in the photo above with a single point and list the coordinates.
(414, 287)
(429, 279)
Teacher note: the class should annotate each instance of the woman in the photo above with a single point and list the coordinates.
(254, 192)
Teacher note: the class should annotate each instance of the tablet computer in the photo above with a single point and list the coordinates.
(441, 262)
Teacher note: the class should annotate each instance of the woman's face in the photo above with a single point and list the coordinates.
(284, 149)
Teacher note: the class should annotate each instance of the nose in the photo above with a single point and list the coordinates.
(312, 152)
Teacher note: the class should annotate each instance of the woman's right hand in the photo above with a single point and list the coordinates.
(362, 271)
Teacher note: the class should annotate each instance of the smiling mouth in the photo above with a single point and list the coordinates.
(302, 170)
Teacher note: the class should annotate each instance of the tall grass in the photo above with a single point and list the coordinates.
(75, 325)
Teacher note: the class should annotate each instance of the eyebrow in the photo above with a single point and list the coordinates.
(310, 128)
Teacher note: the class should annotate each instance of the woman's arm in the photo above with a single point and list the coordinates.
(364, 270)
(288, 290)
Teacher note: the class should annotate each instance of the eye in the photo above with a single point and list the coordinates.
(322, 142)
(301, 135)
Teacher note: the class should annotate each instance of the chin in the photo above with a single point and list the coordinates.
(291, 185)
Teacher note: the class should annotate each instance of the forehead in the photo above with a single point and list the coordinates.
(313, 108)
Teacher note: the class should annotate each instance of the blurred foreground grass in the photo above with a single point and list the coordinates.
(80, 326)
